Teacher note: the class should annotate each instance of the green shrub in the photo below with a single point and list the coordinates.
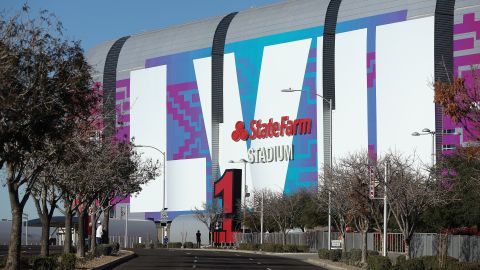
(466, 266)
(103, 250)
(432, 263)
(346, 256)
(324, 254)
(412, 264)
(44, 263)
(246, 246)
(188, 245)
(355, 255)
(174, 245)
(68, 261)
(372, 253)
(139, 245)
(335, 255)
(289, 248)
(378, 263)
(151, 246)
(115, 247)
(26, 262)
(303, 248)
(269, 247)
(3, 262)
(400, 260)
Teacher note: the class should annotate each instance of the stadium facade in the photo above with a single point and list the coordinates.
(209, 92)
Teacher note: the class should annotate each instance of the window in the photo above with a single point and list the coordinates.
(446, 147)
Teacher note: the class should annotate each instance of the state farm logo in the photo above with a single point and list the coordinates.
(270, 129)
(240, 133)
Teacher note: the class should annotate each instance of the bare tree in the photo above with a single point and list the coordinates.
(334, 187)
(358, 169)
(281, 208)
(411, 190)
(45, 86)
(124, 173)
(46, 196)
(209, 215)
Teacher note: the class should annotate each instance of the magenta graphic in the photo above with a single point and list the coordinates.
(466, 55)
(122, 107)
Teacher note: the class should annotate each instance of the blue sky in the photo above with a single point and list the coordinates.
(96, 21)
(93, 22)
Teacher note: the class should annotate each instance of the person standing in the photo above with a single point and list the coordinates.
(199, 239)
(99, 232)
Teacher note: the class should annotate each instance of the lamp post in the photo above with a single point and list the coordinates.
(244, 161)
(162, 214)
(329, 101)
(427, 131)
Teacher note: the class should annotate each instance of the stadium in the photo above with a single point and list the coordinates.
(208, 94)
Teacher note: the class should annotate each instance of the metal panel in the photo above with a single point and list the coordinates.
(443, 57)
(277, 18)
(218, 47)
(355, 9)
(96, 57)
(109, 87)
(162, 42)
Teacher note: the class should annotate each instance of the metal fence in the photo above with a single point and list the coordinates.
(462, 247)
(132, 240)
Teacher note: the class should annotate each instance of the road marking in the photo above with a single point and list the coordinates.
(194, 266)
(238, 255)
(259, 263)
(195, 261)
(189, 253)
(269, 269)
(250, 259)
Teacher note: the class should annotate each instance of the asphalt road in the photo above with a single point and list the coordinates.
(217, 260)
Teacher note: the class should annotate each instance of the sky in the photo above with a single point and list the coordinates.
(96, 21)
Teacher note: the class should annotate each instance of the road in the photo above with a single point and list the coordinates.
(217, 260)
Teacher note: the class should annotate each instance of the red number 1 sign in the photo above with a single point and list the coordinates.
(229, 189)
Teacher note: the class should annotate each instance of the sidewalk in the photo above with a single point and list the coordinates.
(311, 258)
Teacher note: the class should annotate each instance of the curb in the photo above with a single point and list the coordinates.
(325, 265)
(115, 263)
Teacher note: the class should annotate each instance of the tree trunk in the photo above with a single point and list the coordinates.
(44, 242)
(44, 217)
(13, 257)
(344, 248)
(93, 238)
(105, 224)
(407, 248)
(81, 234)
(364, 247)
(67, 246)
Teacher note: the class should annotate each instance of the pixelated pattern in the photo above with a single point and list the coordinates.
(184, 108)
(466, 51)
(186, 134)
(122, 107)
(303, 172)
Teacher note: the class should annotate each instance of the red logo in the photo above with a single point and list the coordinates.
(270, 129)
(240, 133)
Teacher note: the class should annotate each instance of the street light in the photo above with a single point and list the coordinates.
(244, 161)
(427, 131)
(164, 181)
(329, 101)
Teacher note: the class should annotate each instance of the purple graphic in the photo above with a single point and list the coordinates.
(122, 107)
(466, 55)
(181, 106)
